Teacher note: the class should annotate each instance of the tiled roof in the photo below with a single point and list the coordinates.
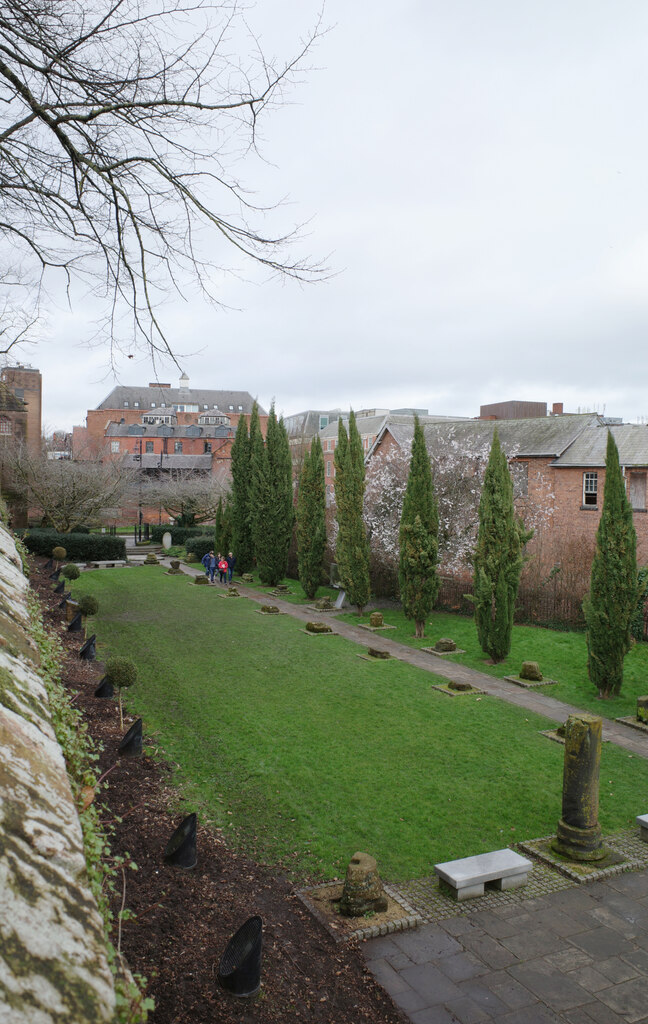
(589, 448)
(143, 396)
(526, 438)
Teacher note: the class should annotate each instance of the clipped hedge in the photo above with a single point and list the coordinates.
(80, 547)
(179, 534)
(199, 546)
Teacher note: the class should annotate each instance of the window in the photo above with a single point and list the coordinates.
(125, 405)
(152, 405)
(240, 408)
(5, 425)
(590, 488)
(208, 447)
(328, 468)
(149, 446)
(637, 491)
(136, 404)
(323, 422)
(177, 447)
(205, 407)
(114, 446)
(231, 408)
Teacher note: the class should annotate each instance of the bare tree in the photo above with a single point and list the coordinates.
(191, 499)
(69, 494)
(121, 119)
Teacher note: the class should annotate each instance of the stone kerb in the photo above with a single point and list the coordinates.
(52, 953)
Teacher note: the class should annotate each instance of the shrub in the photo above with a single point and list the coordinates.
(59, 554)
(122, 673)
(80, 547)
(88, 604)
(71, 571)
(199, 546)
(191, 557)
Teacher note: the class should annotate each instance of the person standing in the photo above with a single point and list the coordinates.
(222, 569)
(231, 562)
(209, 563)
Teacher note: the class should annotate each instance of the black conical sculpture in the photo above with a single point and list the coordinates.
(131, 744)
(60, 587)
(89, 651)
(181, 849)
(105, 688)
(64, 601)
(76, 625)
(239, 971)
(55, 575)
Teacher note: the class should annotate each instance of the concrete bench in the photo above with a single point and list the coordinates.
(642, 822)
(108, 564)
(503, 869)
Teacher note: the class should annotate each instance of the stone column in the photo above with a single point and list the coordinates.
(579, 833)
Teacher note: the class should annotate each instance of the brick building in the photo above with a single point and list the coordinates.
(13, 432)
(26, 384)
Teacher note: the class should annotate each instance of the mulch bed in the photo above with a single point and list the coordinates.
(184, 919)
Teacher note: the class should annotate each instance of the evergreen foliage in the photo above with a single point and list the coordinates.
(418, 537)
(271, 501)
(612, 598)
(311, 520)
(498, 557)
(223, 527)
(241, 482)
(352, 549)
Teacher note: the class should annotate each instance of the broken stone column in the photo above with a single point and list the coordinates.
(363, 892)
(578, 835)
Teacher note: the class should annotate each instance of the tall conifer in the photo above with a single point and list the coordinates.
(271, 506)
(498, 557)
(352, 550)
(311, 520)
(419, 525)
(241, 480)
(612, 598)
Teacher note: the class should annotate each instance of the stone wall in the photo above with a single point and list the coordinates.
(53, 965)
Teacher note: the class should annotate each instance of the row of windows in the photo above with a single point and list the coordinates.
(149, 449)
(178, 408)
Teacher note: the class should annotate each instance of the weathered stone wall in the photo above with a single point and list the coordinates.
(53, 966)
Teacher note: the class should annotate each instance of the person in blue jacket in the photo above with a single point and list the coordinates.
(209, 564)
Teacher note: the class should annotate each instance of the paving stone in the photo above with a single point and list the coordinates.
(430, 984)
(467, 1012)
(634, 883)
(433, 1015)
(599, 1013)
(555, 989)
(535, 942)
(569, 959)
(409, 1000)
(489, 950)
(509, 990)
(461, 966)
(531, 1015)
(386, 976)
(602, 942)
(589, 979)
(630, 998)
(616, 969)
(427, 943)
(638, 960)
(376, 949)
(499, 927)
(559, 922)
(483, 996)
(607, 917)
(457, 925)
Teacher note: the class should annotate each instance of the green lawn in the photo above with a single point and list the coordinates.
(561, 656)
(304, 752)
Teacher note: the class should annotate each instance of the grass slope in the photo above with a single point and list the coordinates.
(306, 753)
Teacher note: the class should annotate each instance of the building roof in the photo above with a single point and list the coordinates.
(306, 424)
(123, 397)
(150, 430)
(372, 425)
(9, 402)
(547, 436)
(150, 460)
(589, 448)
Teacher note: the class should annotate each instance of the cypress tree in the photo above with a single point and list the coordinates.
(241, 481)
(223, 527)
(498, 557)
(419, 526)
(272, 513)
(612, 598)
(311, 520)
(352, 549)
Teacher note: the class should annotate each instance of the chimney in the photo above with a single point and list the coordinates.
(157, 384)
(557, 409)
(184, 382)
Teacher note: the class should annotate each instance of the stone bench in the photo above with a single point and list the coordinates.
(642, 822)
(503, 869)
(108, 564)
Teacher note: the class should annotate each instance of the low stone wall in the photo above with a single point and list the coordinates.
(53, 965)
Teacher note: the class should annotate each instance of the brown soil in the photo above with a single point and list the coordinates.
(184, 919)
(325, 900)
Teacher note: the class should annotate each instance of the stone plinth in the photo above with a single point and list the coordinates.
(363, 892)
(642, 709)
(578, 835)
(531, 670)
(376, 620)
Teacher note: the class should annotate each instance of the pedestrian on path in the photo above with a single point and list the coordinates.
(209, 563)
(231, 562)
(222, 569)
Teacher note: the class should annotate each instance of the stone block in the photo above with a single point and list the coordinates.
(531, 670)
(445, 644)
(376, 620)
(642, 822)
(642, 709)
(468, 876)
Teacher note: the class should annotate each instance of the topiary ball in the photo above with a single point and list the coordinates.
(59, 553)
(121, 672)
(88, 605)
(71, 571)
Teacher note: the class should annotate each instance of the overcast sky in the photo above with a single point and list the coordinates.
(477, 175)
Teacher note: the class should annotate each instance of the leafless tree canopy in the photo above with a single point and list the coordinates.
(191, 497)
(69, 494)
(120, 121)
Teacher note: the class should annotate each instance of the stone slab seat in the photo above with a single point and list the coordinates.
(642, 822)
(110, 563)
(504, 869)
